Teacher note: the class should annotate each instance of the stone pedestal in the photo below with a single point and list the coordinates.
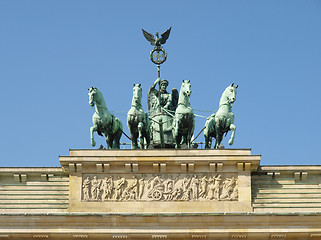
(161, 181)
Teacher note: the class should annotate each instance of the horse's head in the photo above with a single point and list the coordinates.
(231, 93)
(92, 95)
(186, 88)
(137, 94)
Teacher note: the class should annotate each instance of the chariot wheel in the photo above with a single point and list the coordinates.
(157, 195)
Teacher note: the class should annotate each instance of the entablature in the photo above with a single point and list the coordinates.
(169, 160)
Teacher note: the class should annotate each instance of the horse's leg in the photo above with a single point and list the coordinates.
(210, 138)
(178, 141)
(117, 135)
(146, 132)
(109, 141)
(207, 137)
(114, 143)
(147, 138)
(132, 137)
(209, 143)
(190, 133)
(174, 131)
(176, 135)
(219, 139)
(92, 130)
(218, 135)
(188, 139)
(140, 136)
(134, 140)
(117, 139)
(233, 128)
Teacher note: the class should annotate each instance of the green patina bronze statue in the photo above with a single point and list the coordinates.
(157, 41)
(138, 121)
(184, 122)
(170, 121)
(161, 99)
(103, 121)
(161, 106)
(222, 121)
(158, 55)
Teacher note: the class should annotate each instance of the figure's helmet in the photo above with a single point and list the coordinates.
(164, 81)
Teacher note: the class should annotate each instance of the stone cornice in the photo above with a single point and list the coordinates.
(205, 160)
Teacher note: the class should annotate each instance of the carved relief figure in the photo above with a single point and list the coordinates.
(107, 188)
(234, 195)
(228, 187)
(130, 192)
(203, 185)
(119, 187)
(194, 187)
(134, 193)
(217, 187)
(186, 188)
(95, 188)
(141, 185)
(211, 188)
(86, 189)
(214, 187)
(103, 187)
(110, 187)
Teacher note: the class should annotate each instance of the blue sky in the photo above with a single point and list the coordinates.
(51, 52)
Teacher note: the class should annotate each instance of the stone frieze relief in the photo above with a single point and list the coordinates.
(167, 187)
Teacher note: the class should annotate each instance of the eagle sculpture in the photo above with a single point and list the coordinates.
(157, 41)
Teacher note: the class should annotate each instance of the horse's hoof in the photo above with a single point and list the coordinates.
(230, 142)
(93, 143)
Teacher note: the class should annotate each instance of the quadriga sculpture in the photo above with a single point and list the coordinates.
(222, 121)
(138, 121)
(103, 121)
(184, 122)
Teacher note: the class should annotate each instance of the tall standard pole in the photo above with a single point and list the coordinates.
(160, 122)
(158, 56)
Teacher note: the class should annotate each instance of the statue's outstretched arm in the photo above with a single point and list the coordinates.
(155, 83)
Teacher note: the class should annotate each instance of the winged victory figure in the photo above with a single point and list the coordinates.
(157, 41)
